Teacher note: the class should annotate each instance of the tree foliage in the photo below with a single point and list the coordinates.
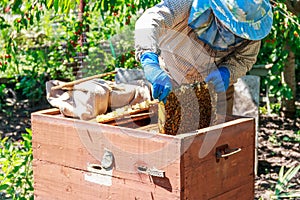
(16, 173)
(285, 33)
(47, 39)
(43, 39)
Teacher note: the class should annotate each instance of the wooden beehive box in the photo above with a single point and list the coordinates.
(76, 159)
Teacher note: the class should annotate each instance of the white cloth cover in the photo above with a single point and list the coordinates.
(91, 98)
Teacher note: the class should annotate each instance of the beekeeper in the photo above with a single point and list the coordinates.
(215, 41)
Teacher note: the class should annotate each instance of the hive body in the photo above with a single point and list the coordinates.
(68, 161)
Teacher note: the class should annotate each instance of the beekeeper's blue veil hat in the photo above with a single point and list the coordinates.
(248, 19)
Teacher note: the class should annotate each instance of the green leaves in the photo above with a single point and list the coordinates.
(16, 6)
(16, 174)
(283, 38)
(62, 6)
(283, 185)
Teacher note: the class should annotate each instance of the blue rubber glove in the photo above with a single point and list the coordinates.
(159, 79)
(220, 78)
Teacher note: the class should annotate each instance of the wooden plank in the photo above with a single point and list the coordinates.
(218, 176)
(213, 178)
(244, 192)
(139, 109)
(70, 85)
(51, 111)
(77, 144)
(199, 147)
(55, 182)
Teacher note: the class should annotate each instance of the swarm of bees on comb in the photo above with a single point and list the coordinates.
(188, 108)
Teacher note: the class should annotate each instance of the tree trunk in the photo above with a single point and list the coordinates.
(293, 6)
(81, 55)
(289, 108)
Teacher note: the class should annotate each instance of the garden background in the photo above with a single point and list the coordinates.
(43, 40)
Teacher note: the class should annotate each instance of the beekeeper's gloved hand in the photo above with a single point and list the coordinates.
(220, 78)
(159, 79)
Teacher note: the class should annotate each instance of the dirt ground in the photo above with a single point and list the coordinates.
(278, 144)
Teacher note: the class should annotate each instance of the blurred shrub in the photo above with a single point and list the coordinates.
(16, 176)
